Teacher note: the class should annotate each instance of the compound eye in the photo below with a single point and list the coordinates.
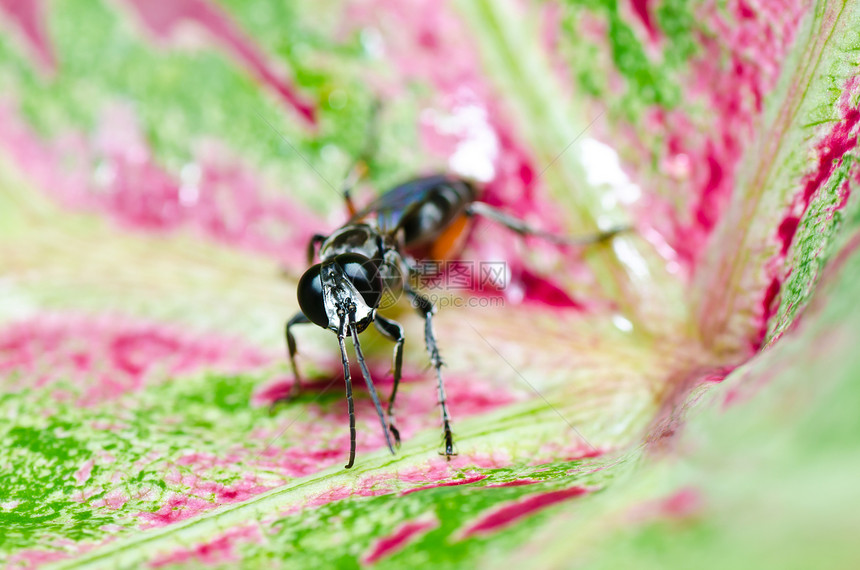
(310, 295)
(364, 275)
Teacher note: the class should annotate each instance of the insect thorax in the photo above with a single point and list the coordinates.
(353, 238)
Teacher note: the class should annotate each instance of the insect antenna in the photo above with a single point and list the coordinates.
(370, 387)
(349, 402)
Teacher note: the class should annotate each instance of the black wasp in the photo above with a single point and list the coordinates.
(377, 250)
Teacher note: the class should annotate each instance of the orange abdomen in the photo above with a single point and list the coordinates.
(450, 242)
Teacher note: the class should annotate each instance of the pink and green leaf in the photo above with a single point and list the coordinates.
(682, 396)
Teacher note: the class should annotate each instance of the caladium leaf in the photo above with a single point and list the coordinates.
(660, 399)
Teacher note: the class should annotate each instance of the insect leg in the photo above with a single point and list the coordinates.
(298, 319)
(520, 227)
(356, 173)
(393, 331)
(315, 240)
(349, 403)
(426, 308)
(359, 168)
(370, 388)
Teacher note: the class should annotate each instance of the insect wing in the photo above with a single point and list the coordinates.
(392, 206)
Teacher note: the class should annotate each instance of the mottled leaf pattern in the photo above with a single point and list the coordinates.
(681, 397)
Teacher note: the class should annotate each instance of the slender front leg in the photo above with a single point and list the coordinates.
(426, 308)
(520, 227)
(349, 403)
(315, 240)
(370, 388)
(298, 319)
(393, 331)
